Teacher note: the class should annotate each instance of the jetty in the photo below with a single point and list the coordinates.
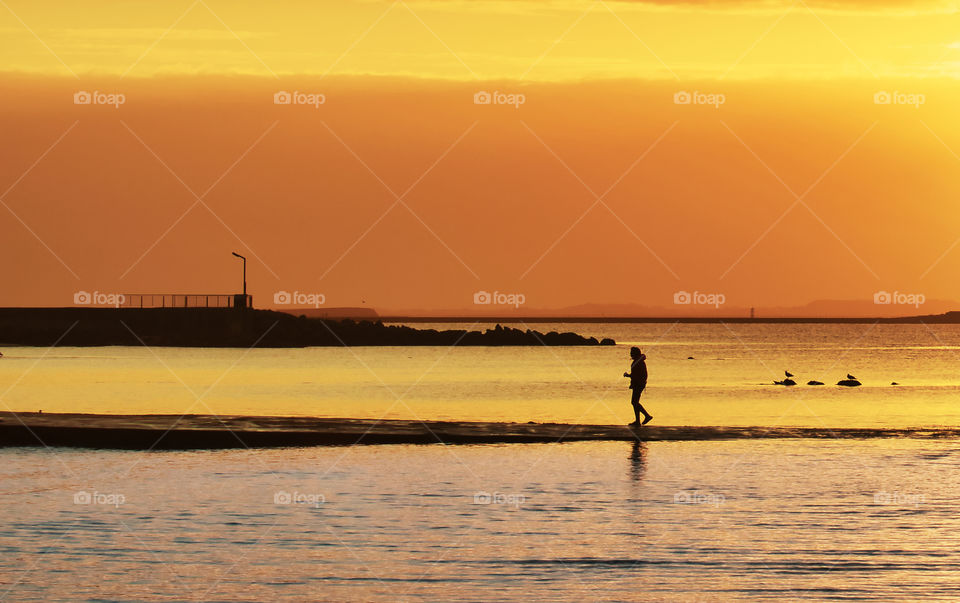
(243, 326)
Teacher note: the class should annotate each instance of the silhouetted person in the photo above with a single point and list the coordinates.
(638, 381)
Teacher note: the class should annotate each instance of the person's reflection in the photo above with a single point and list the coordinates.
(638, 460)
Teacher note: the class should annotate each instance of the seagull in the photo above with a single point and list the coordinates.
(788, 373)
(849, 376)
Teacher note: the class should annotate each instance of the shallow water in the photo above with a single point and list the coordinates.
(752, 519)
(824, 520)
(729, 381)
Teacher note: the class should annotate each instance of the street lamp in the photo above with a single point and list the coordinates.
(244, 275)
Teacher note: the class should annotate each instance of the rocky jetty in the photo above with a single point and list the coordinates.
(218, 327)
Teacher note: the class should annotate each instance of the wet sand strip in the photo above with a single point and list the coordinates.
(173, 432)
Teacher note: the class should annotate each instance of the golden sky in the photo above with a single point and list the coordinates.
(470, 39)
(816, 159)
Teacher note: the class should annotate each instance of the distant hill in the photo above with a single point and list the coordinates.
(826, 309)
(333, 313)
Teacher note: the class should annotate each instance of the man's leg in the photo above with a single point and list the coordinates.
(639, 407)
(635, 401)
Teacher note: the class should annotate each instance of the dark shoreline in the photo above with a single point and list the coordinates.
(946, 318)
(243, 328)
(210, 432)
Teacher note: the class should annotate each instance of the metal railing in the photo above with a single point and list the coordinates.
(186, 300)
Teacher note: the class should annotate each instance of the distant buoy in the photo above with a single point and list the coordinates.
(894, 383)
(690, 358)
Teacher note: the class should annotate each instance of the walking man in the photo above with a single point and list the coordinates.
(638, 381)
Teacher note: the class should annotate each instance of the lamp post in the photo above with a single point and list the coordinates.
(244, 277)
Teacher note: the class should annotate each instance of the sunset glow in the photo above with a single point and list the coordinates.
(479, 300)
(792, 151)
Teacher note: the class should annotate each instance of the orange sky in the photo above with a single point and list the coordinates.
(492, 197)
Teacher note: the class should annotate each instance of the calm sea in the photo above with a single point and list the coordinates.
(763, 519)
(699, 375)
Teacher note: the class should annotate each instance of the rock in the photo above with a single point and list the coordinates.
(814, 382)
(894, 383)
(690, 358)
(607, 341)
(849, 383)
(785, 382)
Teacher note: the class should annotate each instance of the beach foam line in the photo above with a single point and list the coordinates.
(173, 432)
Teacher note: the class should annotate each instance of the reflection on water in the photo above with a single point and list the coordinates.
(597, 521)
(637, 461)
(728, 381)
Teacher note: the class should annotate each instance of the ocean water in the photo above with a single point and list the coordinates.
(744, 520)
(728, 381)
(824, 519)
